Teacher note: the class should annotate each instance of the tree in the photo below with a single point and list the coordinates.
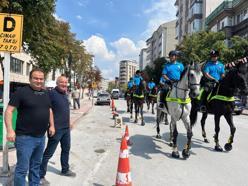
(196, 47)
(156, 70)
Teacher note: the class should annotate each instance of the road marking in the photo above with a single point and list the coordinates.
(96, 168)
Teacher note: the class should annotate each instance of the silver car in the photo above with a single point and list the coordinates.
(103, 99)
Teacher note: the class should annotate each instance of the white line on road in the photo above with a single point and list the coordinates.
(96, 168)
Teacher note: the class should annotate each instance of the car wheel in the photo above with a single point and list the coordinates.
(238, 112)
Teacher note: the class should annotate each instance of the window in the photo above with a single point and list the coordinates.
(27, 69)
(16, 65)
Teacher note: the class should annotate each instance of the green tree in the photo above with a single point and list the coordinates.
(196, 47)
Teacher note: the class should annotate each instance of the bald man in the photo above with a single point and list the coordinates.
(61, 111)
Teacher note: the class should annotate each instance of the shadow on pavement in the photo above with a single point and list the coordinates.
(53, 169)
(144, 146)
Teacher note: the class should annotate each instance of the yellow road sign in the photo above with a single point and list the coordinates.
(94, 85)
(11, 26)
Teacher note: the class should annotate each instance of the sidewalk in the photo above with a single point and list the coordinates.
(76, 114)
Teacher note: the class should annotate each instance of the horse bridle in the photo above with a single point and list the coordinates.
(190, 84)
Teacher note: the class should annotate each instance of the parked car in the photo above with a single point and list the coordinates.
(115, 94)
(103, 99)
(239, 105)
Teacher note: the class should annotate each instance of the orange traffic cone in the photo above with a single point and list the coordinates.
(129, 143)
(113, 105)
(123, 177)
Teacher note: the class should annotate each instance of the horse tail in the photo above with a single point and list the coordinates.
(193, 113)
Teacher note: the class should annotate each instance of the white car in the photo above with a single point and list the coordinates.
(103, 99)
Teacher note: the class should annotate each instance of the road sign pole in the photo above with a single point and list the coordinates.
(6, 62)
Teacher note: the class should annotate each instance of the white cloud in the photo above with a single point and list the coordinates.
(108, 60)
(97, 46)
(161, 11)
(58, 18)
(79, 17)
(83, 3)
(126, 48)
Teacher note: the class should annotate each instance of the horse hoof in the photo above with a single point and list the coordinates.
(228, 147)
(166, 122)
(158, 136)
(170, 144)
(135, 121)
(143, 123)
(153, 112)
(206, 140)
(185, 153)
(218, 148)
(131, 117)
(175, 154)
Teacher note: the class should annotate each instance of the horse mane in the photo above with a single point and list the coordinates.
(184, 72)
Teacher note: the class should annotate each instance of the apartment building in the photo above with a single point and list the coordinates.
(191, 15)
(230, 17)
(163, 40)
(20, 66)
(143, 59)
(127, 70)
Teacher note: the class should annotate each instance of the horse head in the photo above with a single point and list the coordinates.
(194, 78)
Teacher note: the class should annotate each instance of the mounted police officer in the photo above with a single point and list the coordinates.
(130, 83)
(137, 78)
(213, 72)
(170, 74)
(150, 85)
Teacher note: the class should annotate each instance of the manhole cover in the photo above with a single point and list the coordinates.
(100, 151)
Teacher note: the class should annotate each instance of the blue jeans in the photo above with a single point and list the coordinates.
(64, 137)
(29, 152)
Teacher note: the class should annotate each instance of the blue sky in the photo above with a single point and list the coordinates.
(113, 30)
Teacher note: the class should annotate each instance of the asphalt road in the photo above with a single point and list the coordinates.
(96, 144)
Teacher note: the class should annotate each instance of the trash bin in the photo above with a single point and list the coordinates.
(10, 144)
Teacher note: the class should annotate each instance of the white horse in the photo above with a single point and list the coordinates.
(178, 106)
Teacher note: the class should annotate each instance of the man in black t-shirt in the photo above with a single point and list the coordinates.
(34, 118)
(61, 111)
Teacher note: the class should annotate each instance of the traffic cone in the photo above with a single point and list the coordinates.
(129, 143)
(123, 177)
(113, 105)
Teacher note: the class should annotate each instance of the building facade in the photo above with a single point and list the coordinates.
(230, 17)
(143, 58)
(163, 40)
(20, 66)
(191, 15)
(127, 70)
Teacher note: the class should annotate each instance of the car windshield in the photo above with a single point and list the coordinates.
(103, 95)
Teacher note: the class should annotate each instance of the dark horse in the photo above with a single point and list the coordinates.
(222, 104)
(152, 98)
(129, 99)
(138, 99)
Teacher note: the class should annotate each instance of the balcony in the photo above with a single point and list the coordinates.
(226, 5)
(176, 3)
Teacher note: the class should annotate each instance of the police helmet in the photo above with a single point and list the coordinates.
(131, 79)
(138, 71)
(214, 53)
(173, 53)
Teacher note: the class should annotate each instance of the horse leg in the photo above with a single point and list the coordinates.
(153, 107)
(131, 109)
(148, 104)
(175, 153)
(229, 119)
(166, 122)
(158, 120)
(128, 105)
(203, 122)
(136, 112)
(217, 130)
(141, 113)
(187, 147)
